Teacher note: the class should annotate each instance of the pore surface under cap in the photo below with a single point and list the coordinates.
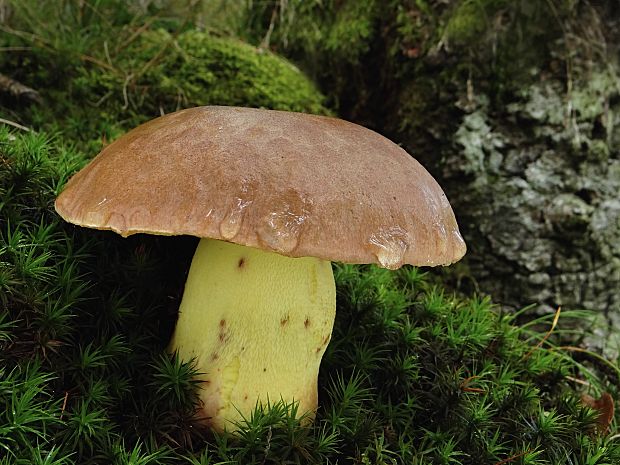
(297, 184)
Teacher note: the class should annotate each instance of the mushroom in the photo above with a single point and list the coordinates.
(274, 196)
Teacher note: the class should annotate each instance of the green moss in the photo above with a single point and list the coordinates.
(343, 29)
(201, 69)
(412, 374)
(469, 21)
(96, 88)
(328, 39)
(366, 61)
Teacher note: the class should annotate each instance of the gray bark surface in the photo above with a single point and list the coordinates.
(536, 189)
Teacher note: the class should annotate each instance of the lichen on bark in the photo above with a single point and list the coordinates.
(539, 202)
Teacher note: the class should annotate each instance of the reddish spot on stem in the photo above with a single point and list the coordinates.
(222, 335)
(306, 322)
(284, 320)
(241, 262)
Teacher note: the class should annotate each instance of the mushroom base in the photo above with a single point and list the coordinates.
(258, 324)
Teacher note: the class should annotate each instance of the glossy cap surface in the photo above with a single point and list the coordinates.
(296, 184)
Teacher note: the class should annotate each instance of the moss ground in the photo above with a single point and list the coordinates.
(413, 374)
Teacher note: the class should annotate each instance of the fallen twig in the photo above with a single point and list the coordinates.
(14, 124)
(512, 459)
(64, 405)
(18, 90)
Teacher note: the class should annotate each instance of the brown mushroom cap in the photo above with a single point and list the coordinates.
(297, 184)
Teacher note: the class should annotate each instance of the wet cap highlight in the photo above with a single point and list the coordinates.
(296, 184)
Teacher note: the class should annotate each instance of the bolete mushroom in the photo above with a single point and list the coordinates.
(275, 196)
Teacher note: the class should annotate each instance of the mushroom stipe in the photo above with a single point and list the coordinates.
(259, 331)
